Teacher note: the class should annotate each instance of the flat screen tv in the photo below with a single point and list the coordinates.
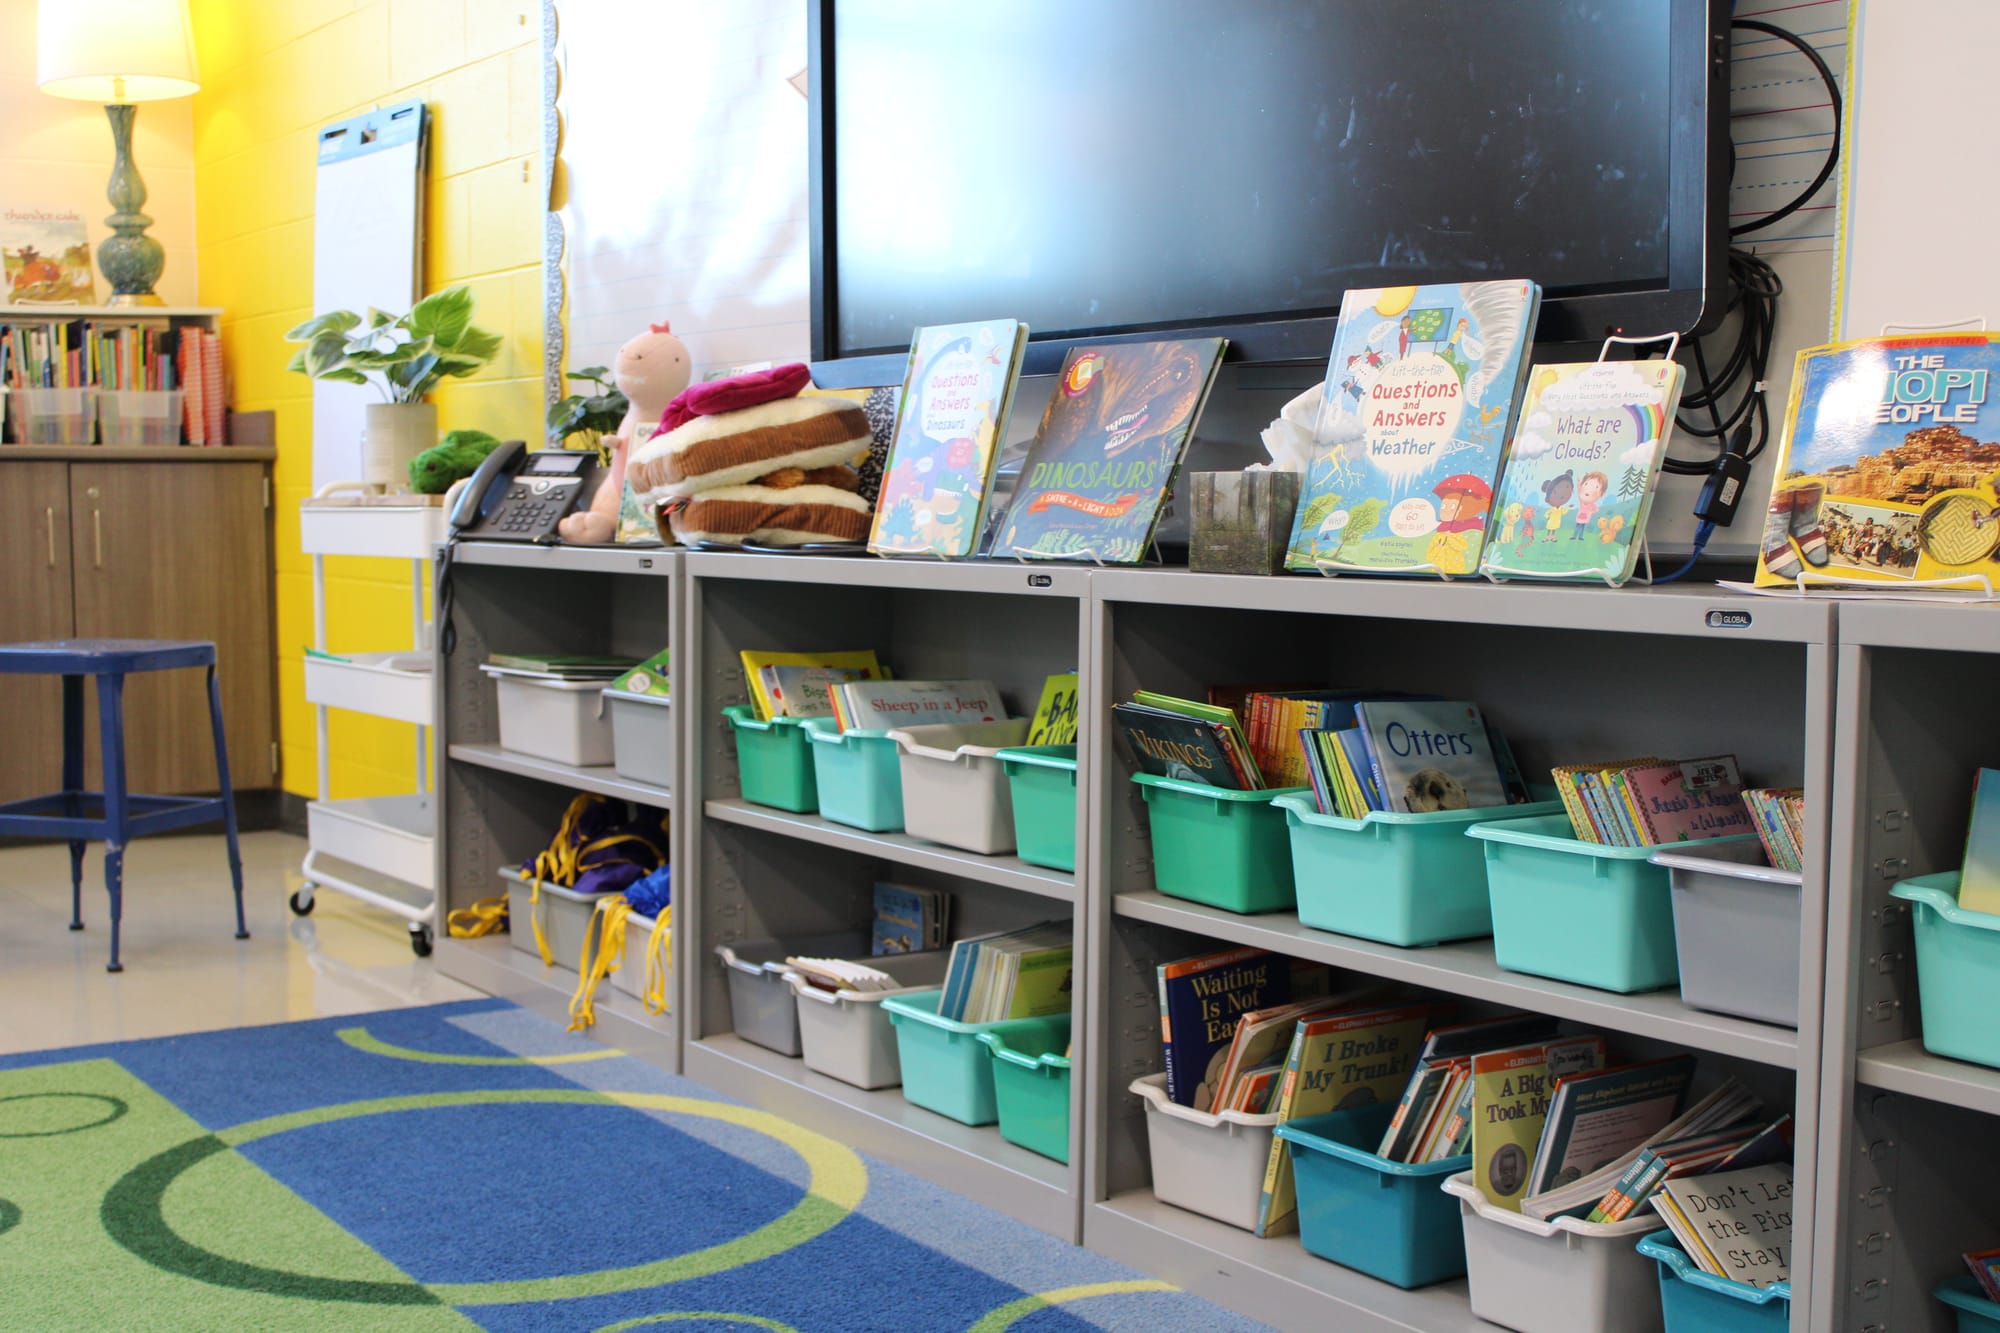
(1132, 167)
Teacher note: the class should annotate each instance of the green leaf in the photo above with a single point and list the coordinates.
(443, 316)
(333, 321)
(379, 318)
(297, 365)
(481, 343)
(325, 354)
(345, 376)
(595, 374)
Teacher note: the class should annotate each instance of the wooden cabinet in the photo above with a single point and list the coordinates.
(141, 550)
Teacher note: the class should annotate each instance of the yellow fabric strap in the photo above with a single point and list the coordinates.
(607, 933)
(488, 916)
(558, 862)
(659, 963)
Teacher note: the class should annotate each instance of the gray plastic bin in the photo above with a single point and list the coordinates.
(1736, 927)
(762, 1008)
(564, 913)
(642, 737)
(1212, 1164)
(847, 1034)
(562, 720)
(954, 791)
(630, 977)
(1565, 1276)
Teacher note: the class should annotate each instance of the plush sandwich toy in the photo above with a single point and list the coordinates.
(747, 460)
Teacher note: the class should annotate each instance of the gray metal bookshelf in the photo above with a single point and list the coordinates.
(1897, 1158)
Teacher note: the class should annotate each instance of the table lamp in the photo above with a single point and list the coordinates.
(119, 52)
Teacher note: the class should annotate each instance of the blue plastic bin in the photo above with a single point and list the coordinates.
(1692, 1301)
(1976, 1314)
(1398, 878)
(1958, 969)
(1220, 847)
(946, 1068)
(772, 764)
(1578, 911)
(859, 776)
(1390, 1220)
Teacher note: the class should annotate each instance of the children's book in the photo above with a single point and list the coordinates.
(1510, 1100)
(1686, 801)
(1357, 1058)
(1055, 716)
(1886, 471)
(1985, 1267)
(1413, 421)
(755, 660)
(1596, 1118)
(950, 423)
(909, 919)
(1427, 756)
(1979, 883)
(1264, 1036)
(649, 677)
(879, 705)
(801, 691)
(1201, 999)
(46, 254)
(1587, 451)
(1734, 1224)
(1176, 738)
(1099, 469)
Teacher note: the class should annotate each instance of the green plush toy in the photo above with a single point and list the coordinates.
(457, 455)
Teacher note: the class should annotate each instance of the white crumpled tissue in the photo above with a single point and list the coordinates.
(1289, 439)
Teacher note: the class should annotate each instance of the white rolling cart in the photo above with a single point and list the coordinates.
(377, 849)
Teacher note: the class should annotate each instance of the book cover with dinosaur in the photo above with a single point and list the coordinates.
(1413, 421)
(1098, 472)
(1581, 471)
(950, 423)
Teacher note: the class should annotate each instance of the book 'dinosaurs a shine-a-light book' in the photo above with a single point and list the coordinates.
(1109, 444)
(1889, 471)
(950, 425)
(1413, 418)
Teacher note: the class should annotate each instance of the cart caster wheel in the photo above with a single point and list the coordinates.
(302, 903)
(420, 940)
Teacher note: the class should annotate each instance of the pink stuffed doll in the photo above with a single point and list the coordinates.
(651, 371)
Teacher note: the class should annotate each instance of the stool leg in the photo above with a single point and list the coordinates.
(111, 726)
(228, 799)
(72, 778)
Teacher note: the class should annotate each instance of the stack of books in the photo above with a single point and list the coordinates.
(1178, 738)
(881, 705)
(1409, 756)
(1647, 802)
(1009, 974)
(1779, 814)
(909, 919)
(1751, 1207)
(558, 666)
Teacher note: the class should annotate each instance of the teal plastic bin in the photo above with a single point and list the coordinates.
(1223, 848)
(773, 761)
(1390, 1220)
(859, 777)
(945, 1066)
(1043, 781)
(1976, 1314)
(1692, 1301)
(1399, 878)
(1577, 911)
(1958, 969)
(1031, 1086)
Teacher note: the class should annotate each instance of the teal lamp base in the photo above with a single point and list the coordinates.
(130, 260)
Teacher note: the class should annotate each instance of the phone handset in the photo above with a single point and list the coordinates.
(484, 490)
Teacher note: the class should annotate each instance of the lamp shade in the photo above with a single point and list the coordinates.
(115, 50)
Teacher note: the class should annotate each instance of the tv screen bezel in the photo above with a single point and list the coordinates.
(1692, 300)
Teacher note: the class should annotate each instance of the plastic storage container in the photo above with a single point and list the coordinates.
(54, 416)
(642, 737)
(954, 789)
(1565, 1276)
(139, 416)
(1042, 782)
(1976, 1314)
(1387, 1219)
(1212, 1164)
(945, 1066)
(859, 774)
(631, 974)
(564, 915)
(1223, 848)
(762, 1007)
(562, 720)
(847, 1034)
(1398, 878)
(772, 761)
(1692, 1301)
(1958, 969)
(1576, 911)
(1736, 928)
(1031, 1088)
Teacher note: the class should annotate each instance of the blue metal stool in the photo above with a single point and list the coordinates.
(114, 815)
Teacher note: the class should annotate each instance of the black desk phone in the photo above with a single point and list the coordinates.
(520, 496)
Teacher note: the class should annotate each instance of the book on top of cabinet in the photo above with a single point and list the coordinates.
(1413, 421)
(951, 420)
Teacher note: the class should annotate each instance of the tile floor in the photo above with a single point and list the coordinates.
(184, 970)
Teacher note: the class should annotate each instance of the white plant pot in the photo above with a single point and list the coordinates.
(395, 434)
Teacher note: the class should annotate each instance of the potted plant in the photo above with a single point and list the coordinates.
(405, 357)
(591, 415)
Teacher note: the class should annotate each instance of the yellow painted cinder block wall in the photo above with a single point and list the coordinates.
(273, 73)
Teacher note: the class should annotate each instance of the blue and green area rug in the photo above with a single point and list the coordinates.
(471, 1166)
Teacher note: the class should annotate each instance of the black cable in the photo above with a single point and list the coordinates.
(1805, 48)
